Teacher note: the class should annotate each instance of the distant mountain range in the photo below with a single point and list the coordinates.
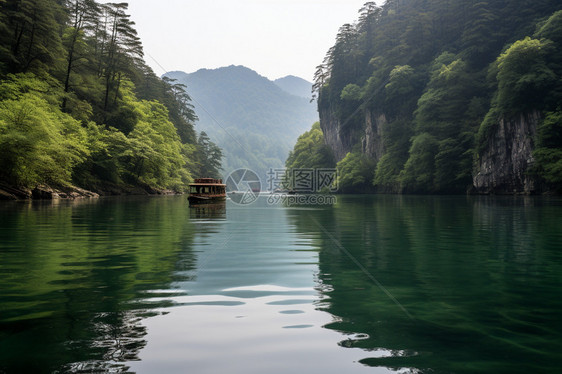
(295, 86)
(254, 120)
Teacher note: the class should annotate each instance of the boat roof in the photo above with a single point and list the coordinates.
(207, 182)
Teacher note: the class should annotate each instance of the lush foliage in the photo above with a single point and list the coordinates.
(354, 173)
(442, 73)
(311, 152)
(39, 142)
(210, 156)
(78, 105)
(548, 153)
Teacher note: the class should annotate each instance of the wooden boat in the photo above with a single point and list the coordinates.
(206, 190)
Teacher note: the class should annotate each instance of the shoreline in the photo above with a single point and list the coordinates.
(46, 192)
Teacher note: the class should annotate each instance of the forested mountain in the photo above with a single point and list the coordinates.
(442, 96)
(295, 86)
(78, 105)
(253, 120)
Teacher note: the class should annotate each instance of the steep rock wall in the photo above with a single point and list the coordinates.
(341, 142)
(502, 166)
(372, 144)
(330, 125)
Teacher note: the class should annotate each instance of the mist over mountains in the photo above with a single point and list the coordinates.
(295, 86)
(254, 120)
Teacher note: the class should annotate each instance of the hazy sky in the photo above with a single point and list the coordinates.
(274, 37)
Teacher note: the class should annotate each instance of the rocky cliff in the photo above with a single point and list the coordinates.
(502, 166)
(330, 126)
(371, 141)
(341, 142)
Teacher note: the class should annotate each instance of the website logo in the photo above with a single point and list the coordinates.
(243, 186)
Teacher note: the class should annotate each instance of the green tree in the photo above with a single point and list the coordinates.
(523, 76)
(355, 173)
(39, 143)
(351, 92)
(82, 17)
(453, 164)
(320, 78)
(310, 151)
(34, 41)
(154, 155)
(119, 51)
(396, 139)
(481, 22)
(446, 100)
(401, 91)
(550, 33)
(548, 154)
(449, 111)
(210, 156)
(419, 171)
(181, 105)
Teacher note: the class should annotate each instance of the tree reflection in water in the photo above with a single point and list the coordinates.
(79, 277)
(478, 275)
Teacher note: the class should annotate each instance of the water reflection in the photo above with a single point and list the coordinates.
(69, 272)
(480, 277)
(152, 285)
(215, 210)
(252, 305)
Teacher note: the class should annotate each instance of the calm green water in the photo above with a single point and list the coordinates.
(369, 285)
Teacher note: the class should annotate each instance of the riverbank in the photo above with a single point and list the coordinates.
(45, 192)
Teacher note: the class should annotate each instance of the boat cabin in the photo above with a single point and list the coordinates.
(207, 189)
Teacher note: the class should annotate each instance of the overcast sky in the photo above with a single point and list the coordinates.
(274, 37)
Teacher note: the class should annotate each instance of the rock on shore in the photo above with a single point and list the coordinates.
(43, 192)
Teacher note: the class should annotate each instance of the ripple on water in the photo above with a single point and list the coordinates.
(291, 302)
(298, 327)
(292, 312)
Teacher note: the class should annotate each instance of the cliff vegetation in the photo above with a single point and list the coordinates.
(446, 96)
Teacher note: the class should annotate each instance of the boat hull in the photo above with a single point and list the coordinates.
(193, 199)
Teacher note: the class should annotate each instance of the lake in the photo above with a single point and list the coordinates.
(370, 284)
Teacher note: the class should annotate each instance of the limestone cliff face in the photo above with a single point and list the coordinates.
(330, 125)
(502, 166)
(342, 143)
(371, 144)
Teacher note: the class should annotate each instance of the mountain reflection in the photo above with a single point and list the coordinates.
(79, 277)
(410, 283)
(477, 275)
